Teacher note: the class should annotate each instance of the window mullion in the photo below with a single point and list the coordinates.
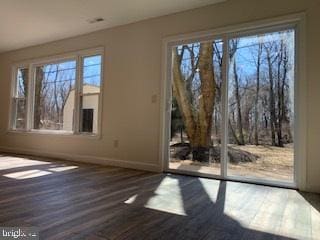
(78, 86)
(225, 79)
(13, 100)
(29, 99)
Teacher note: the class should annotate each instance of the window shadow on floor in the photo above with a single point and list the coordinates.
(203, 218)
(95, 202)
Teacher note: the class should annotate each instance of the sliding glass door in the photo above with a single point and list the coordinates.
(261, 106)
(195, 139)
(232, 106)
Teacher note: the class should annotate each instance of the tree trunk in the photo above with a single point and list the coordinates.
(198, 122)
(238, 101)
(271, 100)
(283, 61)
(24, 76)
(181, 94)
(256, 103)
(206, 102)
(56, 110)
(37, 98)
(233, 133)
(279, 114)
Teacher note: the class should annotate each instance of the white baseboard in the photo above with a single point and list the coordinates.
(85, 159)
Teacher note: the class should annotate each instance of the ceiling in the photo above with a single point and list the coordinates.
(27, 23)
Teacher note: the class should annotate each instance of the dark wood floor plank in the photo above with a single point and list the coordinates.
(68, 200)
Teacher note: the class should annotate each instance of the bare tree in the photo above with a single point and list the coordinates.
(24, 76)
(256, 102)
(283, 68)
(233, 48)
(38, 98)
(272, 108)
(238, 104)
(198, 121)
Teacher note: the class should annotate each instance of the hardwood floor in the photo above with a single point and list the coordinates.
(67, 201)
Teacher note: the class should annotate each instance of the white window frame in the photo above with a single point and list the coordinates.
(13, 106)
(296, 22)
(31, 65)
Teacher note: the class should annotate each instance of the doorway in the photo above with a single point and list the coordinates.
(231, 109)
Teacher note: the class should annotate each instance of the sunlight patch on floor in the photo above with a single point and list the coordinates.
(167, 198)
(131, 200)
(62, 169)
(211, 187)
(315, 218)
(27, 174)
(7, 162)
(239, 207)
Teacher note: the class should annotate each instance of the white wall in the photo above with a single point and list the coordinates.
(132, 71)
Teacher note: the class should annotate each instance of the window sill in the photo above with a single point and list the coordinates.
(56, 133)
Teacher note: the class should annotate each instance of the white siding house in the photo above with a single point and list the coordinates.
(90, 101)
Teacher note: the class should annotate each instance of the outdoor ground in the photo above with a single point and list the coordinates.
(273, 163)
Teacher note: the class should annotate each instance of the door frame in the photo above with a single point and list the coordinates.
(294, 21)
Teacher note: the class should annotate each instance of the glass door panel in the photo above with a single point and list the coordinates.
(261, 106)
(195, 141)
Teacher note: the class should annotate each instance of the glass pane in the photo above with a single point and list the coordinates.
(20, 99)
(195, 144)
(90, 92)
(54, 96)
(261, 106)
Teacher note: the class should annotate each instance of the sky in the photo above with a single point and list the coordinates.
(62, 76)
(66, 71)
(245, 56)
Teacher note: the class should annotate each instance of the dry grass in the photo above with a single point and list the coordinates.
(274, 163)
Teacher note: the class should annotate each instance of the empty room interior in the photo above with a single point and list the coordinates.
(145, 119)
